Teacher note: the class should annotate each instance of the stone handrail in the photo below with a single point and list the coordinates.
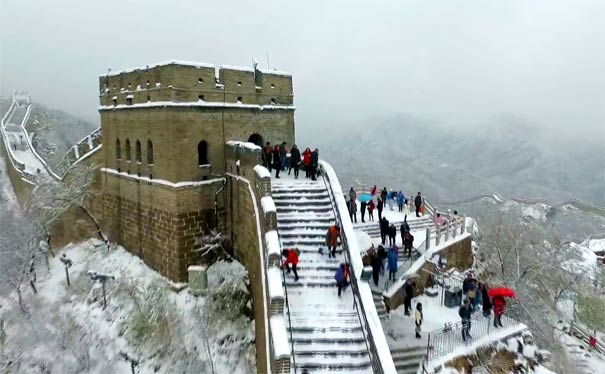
(380, 355)
(279, 354)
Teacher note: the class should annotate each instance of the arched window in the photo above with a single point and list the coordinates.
(256, 139)
(137, 153)
(202, 153)
(118, 150)
(149, 152)
(128, 149)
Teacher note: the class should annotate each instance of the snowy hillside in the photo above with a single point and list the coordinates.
(68, 331)
(53, 132)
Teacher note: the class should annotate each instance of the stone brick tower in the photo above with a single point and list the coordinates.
(164, 132)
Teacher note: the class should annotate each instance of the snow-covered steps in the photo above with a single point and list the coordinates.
(408, 359)
(379, 303)
(326, 332)
(373, 229)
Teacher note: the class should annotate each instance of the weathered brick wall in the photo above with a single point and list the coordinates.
(183, 83)
(159, 223)
(175, 133)
(22, 189)
(241, 226)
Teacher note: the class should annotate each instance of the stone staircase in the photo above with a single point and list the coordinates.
(408, 359)
(373, 229)
(326, 330)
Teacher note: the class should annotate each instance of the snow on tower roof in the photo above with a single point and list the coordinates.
(275, 72)
(241, 68)
(164, 63)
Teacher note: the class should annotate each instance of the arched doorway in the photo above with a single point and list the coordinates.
(256, 139)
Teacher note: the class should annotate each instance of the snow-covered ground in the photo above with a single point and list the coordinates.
(168, 332)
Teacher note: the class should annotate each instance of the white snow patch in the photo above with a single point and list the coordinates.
(262, 171)
(281, 347)
(276, 289)
(267, 204)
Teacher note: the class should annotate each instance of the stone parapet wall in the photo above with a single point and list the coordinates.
(159, 223)
(189, 82)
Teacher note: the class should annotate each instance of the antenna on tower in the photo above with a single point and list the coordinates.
(268, 67)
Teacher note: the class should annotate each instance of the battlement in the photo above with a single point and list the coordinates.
(191, 82)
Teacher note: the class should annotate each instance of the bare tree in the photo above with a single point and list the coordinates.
(214, 246)
(539, 270)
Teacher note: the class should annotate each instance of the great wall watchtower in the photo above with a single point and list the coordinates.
(164, 133)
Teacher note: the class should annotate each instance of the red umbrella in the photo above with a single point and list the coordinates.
(501, 291)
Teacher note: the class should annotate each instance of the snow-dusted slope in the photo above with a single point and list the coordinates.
(326, 330)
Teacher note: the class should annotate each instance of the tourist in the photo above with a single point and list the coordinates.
(405, 227)
(291, 256)
(408, 242)
(382, 254)
(373, 191)
(418, 203)
(371, 210)
(499, 306)
(439, 220)
(406, 207)
(377, 266)
(408, 289)
(363, 210)
(294, 160)
(332, 239)
(352, 194)
(379, 207)
(392, 234)
(342, 277)
(465, 315)
(419, 318)
(393, 256)
(389, 199)
(384, 229)
(353, 210)
(314, 163)
(400, 201)
(267, 156)
(283, 154)
(487, 303)
(383, 195)
(276, 161)
(307, 162)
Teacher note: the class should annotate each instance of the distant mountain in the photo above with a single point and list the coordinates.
(54, 132)
(506, 157)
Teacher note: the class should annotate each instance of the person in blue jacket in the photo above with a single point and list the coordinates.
(400, 200)
(342, 277)
(392, 261)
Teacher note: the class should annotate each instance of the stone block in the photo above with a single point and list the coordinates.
(198, 280)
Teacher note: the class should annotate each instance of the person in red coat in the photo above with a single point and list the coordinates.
(332, 239)
(291, 256)
(499, 305)
(371, 207)
(307, 162)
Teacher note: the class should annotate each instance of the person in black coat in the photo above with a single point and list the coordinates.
(383, 195)
(377, 267)
(418, 204)
(487, 303)
(314, 163)
(276, 161)
(384, 229)
(408, 289)
(294, 160)
(363, 210)
(392, 234)
(379, 207)
(465, 312)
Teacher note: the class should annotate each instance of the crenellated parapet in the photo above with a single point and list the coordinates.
(191, 82)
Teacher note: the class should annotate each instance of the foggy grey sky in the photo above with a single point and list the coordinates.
(457, 61)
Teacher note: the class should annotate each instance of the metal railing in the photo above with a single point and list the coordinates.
(449, 338)
(357, 304)
(445, 281)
